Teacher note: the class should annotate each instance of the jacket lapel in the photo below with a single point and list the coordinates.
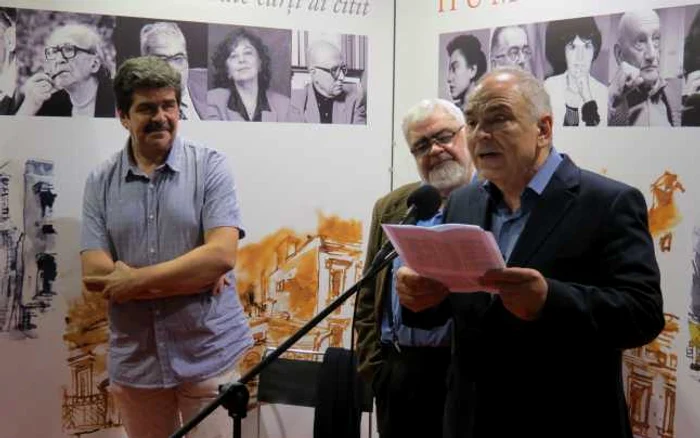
(550, 209)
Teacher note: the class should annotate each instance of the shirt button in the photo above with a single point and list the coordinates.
(150, 217)
(151, 186)
(152, 250)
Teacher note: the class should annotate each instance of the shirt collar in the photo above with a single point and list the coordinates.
(174, 161)
(538, 182)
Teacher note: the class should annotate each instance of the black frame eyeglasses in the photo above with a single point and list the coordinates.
(68, 51)
(335, 71)
(445, 137)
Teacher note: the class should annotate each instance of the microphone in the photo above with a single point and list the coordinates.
(423, 204)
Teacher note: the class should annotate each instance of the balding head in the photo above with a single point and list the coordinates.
(638, 43)
(326, 68)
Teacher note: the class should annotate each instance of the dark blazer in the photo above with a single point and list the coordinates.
(370, 301)
(561, 374)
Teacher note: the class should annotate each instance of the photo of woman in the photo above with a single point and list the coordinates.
(241, 83)
(466, 64)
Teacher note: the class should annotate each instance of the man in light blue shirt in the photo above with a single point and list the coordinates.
(408, 366)
(160, 230)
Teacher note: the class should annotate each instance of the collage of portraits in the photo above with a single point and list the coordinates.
(638, 68)
(62, 64)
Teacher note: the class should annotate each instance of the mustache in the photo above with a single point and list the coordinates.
(155, 127)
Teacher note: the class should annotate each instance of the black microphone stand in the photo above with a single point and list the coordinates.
(234, 396)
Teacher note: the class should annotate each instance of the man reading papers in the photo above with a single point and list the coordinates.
(542, 357)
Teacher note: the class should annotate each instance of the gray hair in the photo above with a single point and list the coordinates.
(147, 72)
(530, 88)
(426, 108)
(153, 30)
(85, 35)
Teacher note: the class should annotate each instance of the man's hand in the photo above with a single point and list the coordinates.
(627, 78)
(119, 286)
(522, 290)
(37, 89)
(692, 84)
(416, 292)
(220, 285)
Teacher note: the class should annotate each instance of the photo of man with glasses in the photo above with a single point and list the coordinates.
(72, 79)
(326, 98)
(510, 47)
(639, 94)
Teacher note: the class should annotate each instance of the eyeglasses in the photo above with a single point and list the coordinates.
(515, 53)
(68, 51)
(335, 71)
(421, 148)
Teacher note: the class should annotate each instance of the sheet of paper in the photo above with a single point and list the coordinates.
(457, 255)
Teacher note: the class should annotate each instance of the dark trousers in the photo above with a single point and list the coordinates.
(410, 391)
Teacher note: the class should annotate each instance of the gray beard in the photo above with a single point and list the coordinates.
(447, 175)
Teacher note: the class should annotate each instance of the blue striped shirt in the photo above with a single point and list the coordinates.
(144, 220)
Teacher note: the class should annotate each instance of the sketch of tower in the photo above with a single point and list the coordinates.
(9, 236)
(29, 260)
(650, 378)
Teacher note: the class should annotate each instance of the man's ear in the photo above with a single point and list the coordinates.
(10, 39)
(123, 118)
(95, 66)
(617, 51)
(544, 130)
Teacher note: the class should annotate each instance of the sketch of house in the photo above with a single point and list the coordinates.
(287, 278)
(650, 379)
(88, 407)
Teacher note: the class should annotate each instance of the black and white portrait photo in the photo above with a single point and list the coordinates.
(182, 44)
(328, 78)
(66, 64)
(516, 46)
(462, 62)
(8, 61)
(576, 70)
(645, 89)
(691, 68)
(249, 72)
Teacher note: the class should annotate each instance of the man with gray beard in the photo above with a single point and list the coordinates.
(407, 367)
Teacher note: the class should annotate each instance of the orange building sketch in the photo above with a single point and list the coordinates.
(650, 378)
(87, 405)
(287, 278)
(663, 214)
(692, 351)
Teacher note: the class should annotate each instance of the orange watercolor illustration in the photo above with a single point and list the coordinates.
(663, 214)
(650, 379)
(283, 280)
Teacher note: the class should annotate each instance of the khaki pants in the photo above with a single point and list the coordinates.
(159, 412)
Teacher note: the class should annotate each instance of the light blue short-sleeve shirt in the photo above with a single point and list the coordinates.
(144, 220)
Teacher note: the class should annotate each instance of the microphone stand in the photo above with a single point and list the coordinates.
(234, 396)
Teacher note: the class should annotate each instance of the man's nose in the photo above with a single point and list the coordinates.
(651, 52)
